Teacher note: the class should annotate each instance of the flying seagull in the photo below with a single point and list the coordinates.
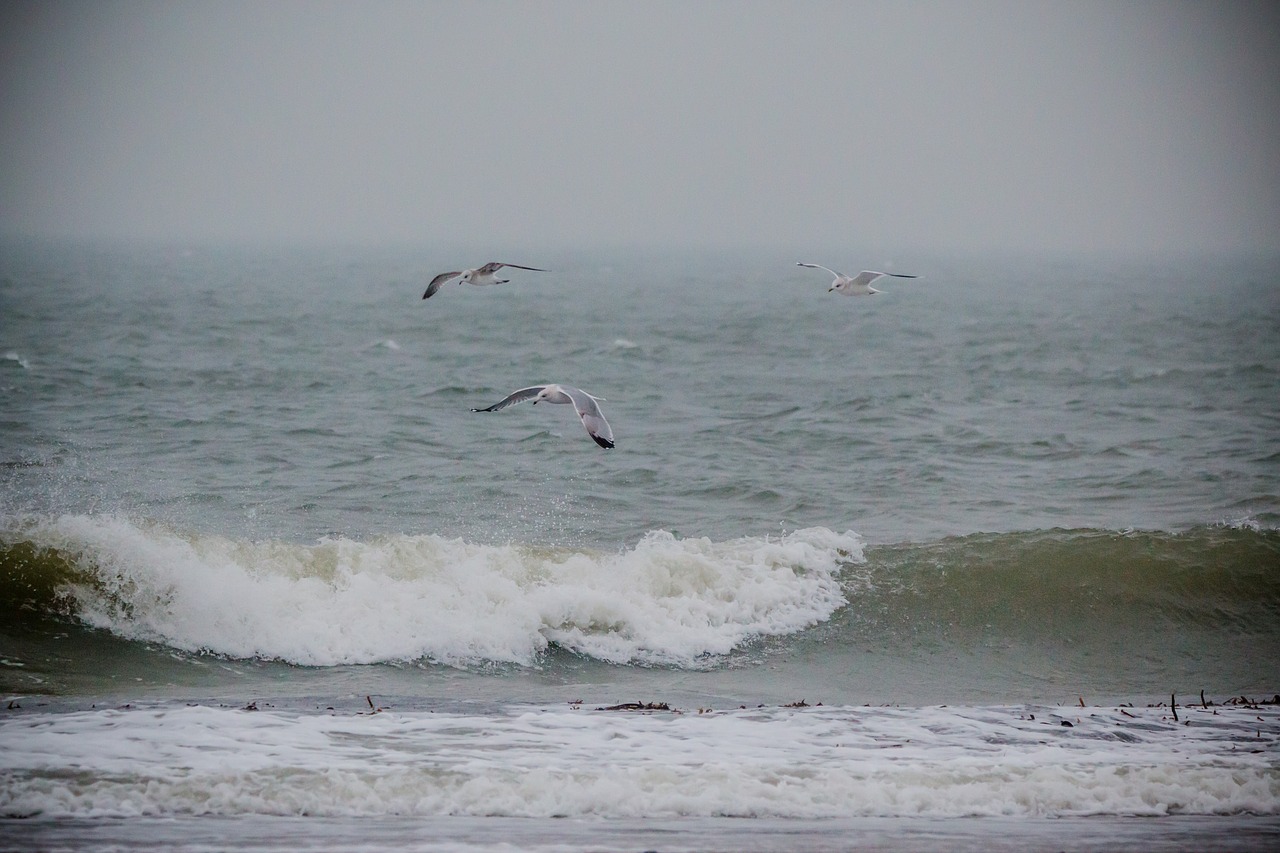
(585, 405)
(859, 285)
(478, 276)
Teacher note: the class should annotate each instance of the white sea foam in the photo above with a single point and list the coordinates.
(667, 600)
(548, 762)
(384, 343)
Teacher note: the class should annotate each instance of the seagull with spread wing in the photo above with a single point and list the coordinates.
(479, 276)
(858, 285)
(584, 404)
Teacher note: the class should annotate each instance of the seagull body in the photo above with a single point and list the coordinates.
(486, 274)
(584, 404)
(858, 285)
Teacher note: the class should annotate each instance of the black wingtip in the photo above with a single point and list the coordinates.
(603, 442)
(427, 295)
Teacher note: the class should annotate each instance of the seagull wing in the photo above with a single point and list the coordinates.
(439, 280)
(494, 266)
(820, 267)
(592, 418)
(868, 276)
(513, 398)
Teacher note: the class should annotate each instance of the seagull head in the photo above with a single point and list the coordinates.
(546, 393)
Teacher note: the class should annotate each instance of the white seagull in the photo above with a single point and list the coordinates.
(585, 405)
(859, 285)
(478, 276)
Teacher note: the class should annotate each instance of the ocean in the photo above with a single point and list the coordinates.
(988, 561)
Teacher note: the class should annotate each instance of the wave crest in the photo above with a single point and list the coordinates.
(667, 601)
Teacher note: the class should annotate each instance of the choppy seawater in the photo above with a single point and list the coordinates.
(262, 567)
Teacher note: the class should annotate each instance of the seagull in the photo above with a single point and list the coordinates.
(585, 405)
(859, 285)
(478, 276)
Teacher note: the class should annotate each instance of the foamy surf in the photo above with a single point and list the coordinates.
(666, 601)
(18, 359)
(543, 762)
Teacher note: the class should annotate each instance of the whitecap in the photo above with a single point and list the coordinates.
(665, 601)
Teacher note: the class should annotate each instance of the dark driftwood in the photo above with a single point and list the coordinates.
(638, 706)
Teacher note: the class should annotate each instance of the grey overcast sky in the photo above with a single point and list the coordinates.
(1150, 126)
